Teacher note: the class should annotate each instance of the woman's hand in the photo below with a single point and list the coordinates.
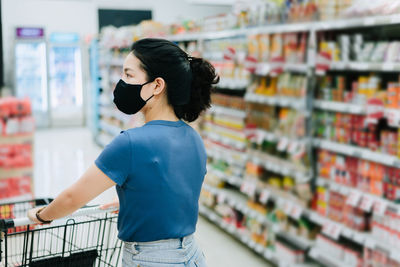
(32, 215)
(112, 204)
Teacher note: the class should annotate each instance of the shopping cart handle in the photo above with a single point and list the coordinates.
(10, 223)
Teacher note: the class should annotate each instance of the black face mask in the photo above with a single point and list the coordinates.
(127, 97)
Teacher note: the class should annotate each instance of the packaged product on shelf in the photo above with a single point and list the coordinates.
(286, 84)
(384, 229)
(347, 253)
(15, 187)
(288, 253)
(354, 129)
(261, 117)
(336, 207)
(362, 8)
(264, 47)
(17, 126)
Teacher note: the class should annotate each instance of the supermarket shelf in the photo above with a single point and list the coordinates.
(239, 202)
(231, 179)
(110, 129)
(292, 208)
(17, 139)
(279, 166)
(292, 27)
(228, 111)
(265, 68)
(346, 190)
(266, 135)
(339, 107)
(233, 84)
(354, 235)
(358, 152)
(366, 66)
(226, 141)
(270, 136)
(261, 250)
(358, 22)
(16, 199)
(300, 242)
(326, 259)
(276, 100)
(16, 172)
(230, 156)
(350, 108)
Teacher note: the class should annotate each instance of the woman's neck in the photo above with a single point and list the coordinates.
(158, 113)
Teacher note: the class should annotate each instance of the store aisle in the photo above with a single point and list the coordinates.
(63, 154)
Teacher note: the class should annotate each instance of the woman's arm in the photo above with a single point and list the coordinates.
(92, 183)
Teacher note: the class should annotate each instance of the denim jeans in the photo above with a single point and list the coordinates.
(183, 252)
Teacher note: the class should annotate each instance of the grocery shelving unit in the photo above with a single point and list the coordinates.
(241, 155)
(330, 228)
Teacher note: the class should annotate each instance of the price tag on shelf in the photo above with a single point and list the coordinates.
(332, 229)
(393, 116)
(334, 187)
(231, 228)
(396, 163)
(395, 255)
(316, 218)
(370, 243)
(259, 248)
(292, 147)
(263, 68)
(283, 143)
(287, 207)
(367, 203)
(354, 198)
(264, 196)
(388, 66)
(314, 253)
(347, 233)
(344, 190)
(395, 19)
(212, 217)
(356, 153)
(375, 110)
(380, 206)
(251, 190)
(359, 238)
(244, 186)
(296, 212)
(221, 198)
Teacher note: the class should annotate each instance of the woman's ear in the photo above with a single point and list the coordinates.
(160, 86)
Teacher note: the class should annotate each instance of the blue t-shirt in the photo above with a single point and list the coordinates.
(159, 169)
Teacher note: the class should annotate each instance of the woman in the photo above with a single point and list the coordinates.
(158, 169)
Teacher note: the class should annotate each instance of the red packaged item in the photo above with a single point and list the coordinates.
(21, 107)
(5, 107)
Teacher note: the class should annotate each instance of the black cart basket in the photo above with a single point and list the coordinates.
(86, 238)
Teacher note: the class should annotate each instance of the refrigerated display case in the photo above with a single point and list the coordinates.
(31, 71)
(65, 80)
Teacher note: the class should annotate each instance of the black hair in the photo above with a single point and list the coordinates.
(189, 80)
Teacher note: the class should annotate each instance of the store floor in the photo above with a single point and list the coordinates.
(63, 154)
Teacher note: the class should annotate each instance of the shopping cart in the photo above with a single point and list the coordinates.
(88, 237)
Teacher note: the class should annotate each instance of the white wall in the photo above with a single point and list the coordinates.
(81, 16)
